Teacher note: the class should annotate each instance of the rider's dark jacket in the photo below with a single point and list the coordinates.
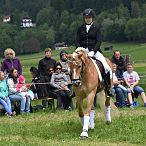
(90, 40)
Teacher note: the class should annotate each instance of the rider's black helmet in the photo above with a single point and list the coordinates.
(88, 12)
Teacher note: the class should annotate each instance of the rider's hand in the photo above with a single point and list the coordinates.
(91, 54)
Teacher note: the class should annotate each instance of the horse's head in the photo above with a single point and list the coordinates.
(76, 63)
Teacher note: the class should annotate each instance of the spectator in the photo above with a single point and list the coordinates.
(120, 90)
(131, 79)
(4, 98)
(46, 62)
(60, 82)
(10, 61)
(65, 68)
(13, 94)
(23, 88)
(120, 62)
(51, 90)
(38, 86)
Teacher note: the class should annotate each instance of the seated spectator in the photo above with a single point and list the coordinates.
(60, 82)
(36, 88)
(23, 88)
(120, 62)
(131, 79)
(65, 68)
(4, 98)
(10, 61)
(51, 90)
(120, 90)
(12, 82)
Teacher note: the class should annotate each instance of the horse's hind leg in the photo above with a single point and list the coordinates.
(107, 110)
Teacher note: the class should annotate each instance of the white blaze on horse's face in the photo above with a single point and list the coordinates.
(75, 66)
(74, 73)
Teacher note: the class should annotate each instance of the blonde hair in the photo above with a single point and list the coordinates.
(9, 50)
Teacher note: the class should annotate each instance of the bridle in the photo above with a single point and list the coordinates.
(77, 82)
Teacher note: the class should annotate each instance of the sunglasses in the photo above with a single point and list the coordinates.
(51, 70)
(58, 68)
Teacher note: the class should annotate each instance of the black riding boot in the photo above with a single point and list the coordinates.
(107, 81)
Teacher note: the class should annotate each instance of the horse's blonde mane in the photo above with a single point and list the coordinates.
(81, 49)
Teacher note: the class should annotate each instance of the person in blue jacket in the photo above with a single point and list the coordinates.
(4, 99)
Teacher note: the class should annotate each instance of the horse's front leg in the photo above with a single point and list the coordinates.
(80, 109)
(90, 100)
(107, 110)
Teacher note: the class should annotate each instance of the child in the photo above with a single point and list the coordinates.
(22, 88)
(4, 99)
(131, 79)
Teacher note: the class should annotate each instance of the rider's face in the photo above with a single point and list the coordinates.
(88, 19)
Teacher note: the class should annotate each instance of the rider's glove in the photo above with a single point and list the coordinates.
(91, 54)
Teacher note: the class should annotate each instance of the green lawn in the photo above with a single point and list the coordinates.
(62, 128)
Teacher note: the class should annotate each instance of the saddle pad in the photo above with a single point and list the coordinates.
(97, 68)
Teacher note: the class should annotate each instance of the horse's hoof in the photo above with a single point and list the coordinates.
(84, 135)
(108, 122)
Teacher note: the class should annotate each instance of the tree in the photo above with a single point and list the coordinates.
(46, 36)
(135, 29)
(123, 12)
(144, 10)
(106, 29)
(47, 15)
(7, 34)
(5, 42)
(135, 10)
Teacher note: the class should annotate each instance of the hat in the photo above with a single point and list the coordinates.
(88, 12)
(62, 52)
(21, 79)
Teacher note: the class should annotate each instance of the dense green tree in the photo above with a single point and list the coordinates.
(135, 9)
(144, 10)
(47, 15)
(123, 12)
(46, 36)
(135, 29)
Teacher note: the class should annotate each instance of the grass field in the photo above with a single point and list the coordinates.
(62, 128)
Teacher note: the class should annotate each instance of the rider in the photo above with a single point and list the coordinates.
(89, 37)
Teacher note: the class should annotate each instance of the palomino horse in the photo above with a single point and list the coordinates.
(85, 81)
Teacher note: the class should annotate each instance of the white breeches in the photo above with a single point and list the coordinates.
(101, 58)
